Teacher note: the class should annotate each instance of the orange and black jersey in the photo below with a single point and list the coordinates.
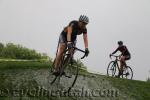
(76, 30)
(123, 49)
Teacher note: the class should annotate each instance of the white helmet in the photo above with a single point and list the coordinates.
(84, 19)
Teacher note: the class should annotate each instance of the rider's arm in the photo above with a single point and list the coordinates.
(115, 51)
(69, 32)
(85, 38)
(86, 44)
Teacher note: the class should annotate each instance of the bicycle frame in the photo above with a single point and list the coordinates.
(65, 55)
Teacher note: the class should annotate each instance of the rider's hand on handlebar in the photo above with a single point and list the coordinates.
(86, 52)
(69, 44)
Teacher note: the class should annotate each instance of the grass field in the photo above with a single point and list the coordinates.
(24, 64)
(140, 90)
(14, 70)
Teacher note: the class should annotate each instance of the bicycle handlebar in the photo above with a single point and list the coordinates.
(78, 50)
(115, 56)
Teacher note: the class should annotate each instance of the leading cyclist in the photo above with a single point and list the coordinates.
(68, 38)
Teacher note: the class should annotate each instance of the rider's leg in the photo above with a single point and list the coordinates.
(61, 49)
(72, 50)
(122, 63)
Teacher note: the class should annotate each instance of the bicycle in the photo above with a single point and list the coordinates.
(68, 68)
(114, 65)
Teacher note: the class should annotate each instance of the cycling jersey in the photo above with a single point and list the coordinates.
(76, 30)
(123, 49)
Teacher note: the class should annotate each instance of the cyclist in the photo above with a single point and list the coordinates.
(125, 55)
(68, 37)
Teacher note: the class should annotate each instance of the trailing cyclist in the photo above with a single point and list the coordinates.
(68, 38)
(125, 55)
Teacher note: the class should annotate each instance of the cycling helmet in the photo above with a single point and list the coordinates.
(84, 19)
(120, 43)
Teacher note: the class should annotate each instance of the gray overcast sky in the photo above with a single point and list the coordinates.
(37, 24)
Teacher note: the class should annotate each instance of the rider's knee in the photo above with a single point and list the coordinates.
(61, 48)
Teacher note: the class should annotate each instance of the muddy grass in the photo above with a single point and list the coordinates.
(33, 84)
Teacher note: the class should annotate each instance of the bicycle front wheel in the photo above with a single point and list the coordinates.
(128, 73)
(71, 69)
(111, 69)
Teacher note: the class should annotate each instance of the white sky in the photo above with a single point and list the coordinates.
(37, 24)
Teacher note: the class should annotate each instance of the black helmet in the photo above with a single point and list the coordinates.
(120, 43)
(84, 19)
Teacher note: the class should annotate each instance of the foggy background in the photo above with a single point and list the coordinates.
(36, 24)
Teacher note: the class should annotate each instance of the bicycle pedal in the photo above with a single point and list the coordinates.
(63, 73)
(67, 76)
(55, 73)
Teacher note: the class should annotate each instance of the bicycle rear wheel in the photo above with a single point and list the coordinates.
(52, 78)
(111, 69)
(128, 73)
